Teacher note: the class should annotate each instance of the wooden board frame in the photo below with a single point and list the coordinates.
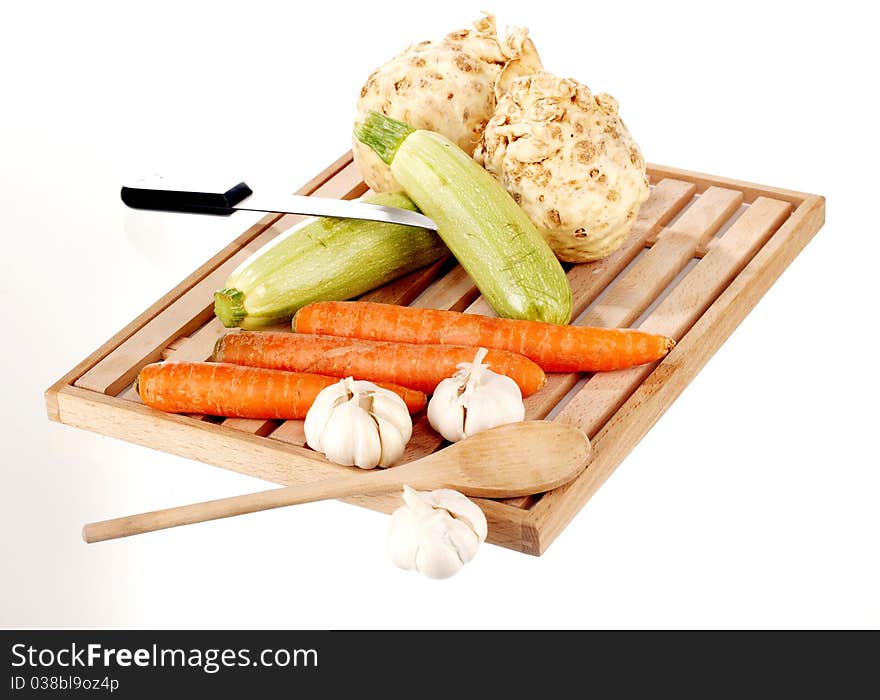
(703, 252)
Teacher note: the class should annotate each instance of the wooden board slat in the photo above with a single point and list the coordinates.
(200, 345)
(454, 291)
(254, 426)
(703, 182)
(654, 277)
(290, 431)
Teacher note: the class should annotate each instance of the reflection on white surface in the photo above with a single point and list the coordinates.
(158, 235)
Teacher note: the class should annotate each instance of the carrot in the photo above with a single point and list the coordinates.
(555, 348)
(219, 389)
(420, 367)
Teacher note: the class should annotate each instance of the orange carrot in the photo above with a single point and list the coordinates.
(554, 348)
(219, 389)
(420, 367)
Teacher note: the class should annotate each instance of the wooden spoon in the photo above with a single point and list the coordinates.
(512, 460)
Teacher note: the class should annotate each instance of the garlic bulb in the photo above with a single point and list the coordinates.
(358, 423)
(435, 532)
(474, 399)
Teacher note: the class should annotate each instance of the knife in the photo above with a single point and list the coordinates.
(157, 194)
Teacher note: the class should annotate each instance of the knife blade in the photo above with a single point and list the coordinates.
(159, 195)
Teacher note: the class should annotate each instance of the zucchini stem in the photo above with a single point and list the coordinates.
(229, 306)
(383, 134)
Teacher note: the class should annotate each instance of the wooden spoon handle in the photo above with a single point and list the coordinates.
(356, 483)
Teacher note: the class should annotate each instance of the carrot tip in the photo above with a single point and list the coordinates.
(670, 343)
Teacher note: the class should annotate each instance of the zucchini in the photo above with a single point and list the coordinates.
(507, 258)
(327, 259)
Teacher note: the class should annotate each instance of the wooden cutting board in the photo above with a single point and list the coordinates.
(702, 253)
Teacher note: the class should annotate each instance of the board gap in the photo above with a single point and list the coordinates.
(665, 293)
(598, 300)
(703, 249)
(269, 427)
(128, 393)
(743, 208)
(447, 267)
(443, 270)
(175, 345)
(275, 425)
(568, 397)
(681, 213)
(521, 502)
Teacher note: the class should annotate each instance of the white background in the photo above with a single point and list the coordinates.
(752, 503)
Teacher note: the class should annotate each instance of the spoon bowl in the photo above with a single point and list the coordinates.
(511, 460)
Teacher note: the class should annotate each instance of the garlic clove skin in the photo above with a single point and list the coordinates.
(403, 538)
(435, 532)
(445, 412)
(462, 539)
(319, 414)
(498, 402)
(394, 424)
(459, 506)
(391, 442)
(418, 501)
(356, 423)
(445, 545)
(389, 407)
(350, 437)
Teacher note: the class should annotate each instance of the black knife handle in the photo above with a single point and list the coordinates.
(219, 203)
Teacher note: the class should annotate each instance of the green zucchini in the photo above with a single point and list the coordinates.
(327, 259)
(507, 258)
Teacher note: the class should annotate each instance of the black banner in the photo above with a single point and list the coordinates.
(279, 663)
